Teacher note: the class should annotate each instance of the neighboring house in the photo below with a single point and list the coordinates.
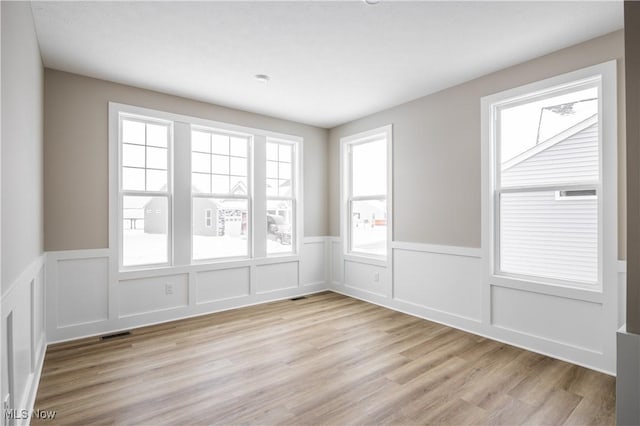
(205, 217)
(370, 214)
(531, 219)
(155, 216)
(211, 217)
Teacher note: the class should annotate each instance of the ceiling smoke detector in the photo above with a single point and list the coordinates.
(262, 78)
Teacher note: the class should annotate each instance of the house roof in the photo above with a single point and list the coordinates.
(550, 142)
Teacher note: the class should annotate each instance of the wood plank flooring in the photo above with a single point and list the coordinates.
(327, 359)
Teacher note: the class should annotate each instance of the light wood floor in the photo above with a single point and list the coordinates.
(327, 359)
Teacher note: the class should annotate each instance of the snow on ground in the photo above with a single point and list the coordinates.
(146, 249)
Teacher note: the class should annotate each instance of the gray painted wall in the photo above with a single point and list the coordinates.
(436, 142)
(76, 143)
(22, 91)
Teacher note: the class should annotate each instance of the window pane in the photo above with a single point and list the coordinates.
(133, 132)
(238, 166)
(157, 135)
(272, 151)
(220, 184)
(369, 227)
(132, 179)
(284, 170)
(200, 141)
(238, 185)
(220, 164)
(157, 158)
(201, 162)
(132, 155)
(201, 183)
(553, 140)
(220, 228)
(144, 230)
(239, 147)
(279, 226)
(220, 144)
(284, 187)
(284, 154)
(548, 236)
(156, 180)
(272, 186)
(369, 168)
(272, 169)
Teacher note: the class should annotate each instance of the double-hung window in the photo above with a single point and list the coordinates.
(281, 202)
(551, 150)
(366, 187)
(145, 190)
(220, 194)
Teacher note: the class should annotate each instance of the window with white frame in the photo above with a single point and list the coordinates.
(366, 187)
(552, 178)
(183, 189)
(280, 196)
(144, 190)
(220, 194)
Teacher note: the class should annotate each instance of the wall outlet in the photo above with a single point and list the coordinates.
(376, 277)
(168, 289)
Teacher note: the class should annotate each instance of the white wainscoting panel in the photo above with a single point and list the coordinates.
(147, 295)
(23, 338)
(366, 277)
(313, 263)
(223, 284)
(276, 276)
(337, 276)
(83, 291)
(568, 321)
(91, 297)
(426, 279)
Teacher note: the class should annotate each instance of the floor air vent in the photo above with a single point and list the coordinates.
(299, 298)
(115, 335)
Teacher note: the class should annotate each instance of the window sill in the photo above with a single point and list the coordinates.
(567, 291)
(157, 271)
(368, 259)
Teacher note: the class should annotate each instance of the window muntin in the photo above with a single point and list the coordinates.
(367, 196)
(280, 196)
(144, 195)
(548, 145)
(219, 163)
(220, 195)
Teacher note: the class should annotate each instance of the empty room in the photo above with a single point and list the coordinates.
(320, 212)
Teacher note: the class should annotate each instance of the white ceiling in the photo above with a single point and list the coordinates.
(329, 62)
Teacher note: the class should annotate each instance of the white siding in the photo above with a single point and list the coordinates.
(543, 237)
(573, 160)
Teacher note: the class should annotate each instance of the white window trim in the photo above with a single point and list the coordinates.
(607, 189)
(182, 256)
(345, 182)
